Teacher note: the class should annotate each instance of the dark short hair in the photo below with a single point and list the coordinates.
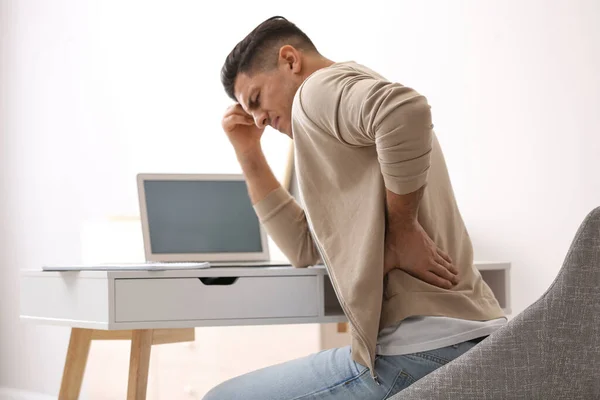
(258, 50)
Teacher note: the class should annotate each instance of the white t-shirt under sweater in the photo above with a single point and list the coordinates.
(417, 334)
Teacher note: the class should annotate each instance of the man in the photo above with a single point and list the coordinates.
(379, 212)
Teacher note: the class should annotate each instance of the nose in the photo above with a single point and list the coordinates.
(261, 119)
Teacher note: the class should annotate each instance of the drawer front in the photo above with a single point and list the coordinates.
(182, 299)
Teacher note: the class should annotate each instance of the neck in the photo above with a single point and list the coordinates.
(313, 64)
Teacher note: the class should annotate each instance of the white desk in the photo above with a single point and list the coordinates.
(116, 300)
(155, 307)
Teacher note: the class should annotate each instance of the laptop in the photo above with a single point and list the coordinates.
(201, 218)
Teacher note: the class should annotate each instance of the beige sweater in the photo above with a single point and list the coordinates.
(355, 135)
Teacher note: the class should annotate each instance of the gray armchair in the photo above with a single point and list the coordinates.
(549, 351)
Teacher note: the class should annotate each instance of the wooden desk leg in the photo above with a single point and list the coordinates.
(77, 355)
(139, 363)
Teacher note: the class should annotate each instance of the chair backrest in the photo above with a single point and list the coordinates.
(549, 351)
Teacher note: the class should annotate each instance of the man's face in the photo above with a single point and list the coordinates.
(268, 96)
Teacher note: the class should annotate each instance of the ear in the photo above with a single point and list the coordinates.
(290, 59)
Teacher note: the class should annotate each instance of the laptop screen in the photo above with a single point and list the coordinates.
(201, 216)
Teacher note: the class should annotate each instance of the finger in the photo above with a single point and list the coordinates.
(236, 119)
(240, 119)
(444, 255)
(443, 272)
(432, 279)
(448, 260)
(449, 266)
(438, 281)
(237, 107)
(236, 110)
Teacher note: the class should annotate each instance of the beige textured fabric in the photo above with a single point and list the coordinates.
(355, 134)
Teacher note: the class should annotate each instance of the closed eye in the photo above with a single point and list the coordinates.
(254, 104)
(257, 101)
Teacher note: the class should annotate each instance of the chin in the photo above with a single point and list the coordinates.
(288, 131)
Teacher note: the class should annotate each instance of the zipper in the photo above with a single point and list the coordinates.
(335, 289)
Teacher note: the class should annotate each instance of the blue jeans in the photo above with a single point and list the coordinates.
(332, 374)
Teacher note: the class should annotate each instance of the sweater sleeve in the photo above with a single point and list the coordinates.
(361, 110)
(285, 221)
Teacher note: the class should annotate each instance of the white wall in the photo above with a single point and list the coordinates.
(95, 92)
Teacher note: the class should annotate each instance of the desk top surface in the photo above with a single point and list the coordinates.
(182, 273)
(215, 272)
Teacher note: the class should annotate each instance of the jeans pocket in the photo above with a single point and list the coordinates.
(402, 381)
(432, 356)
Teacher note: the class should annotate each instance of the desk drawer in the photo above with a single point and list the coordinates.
(179, 299)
